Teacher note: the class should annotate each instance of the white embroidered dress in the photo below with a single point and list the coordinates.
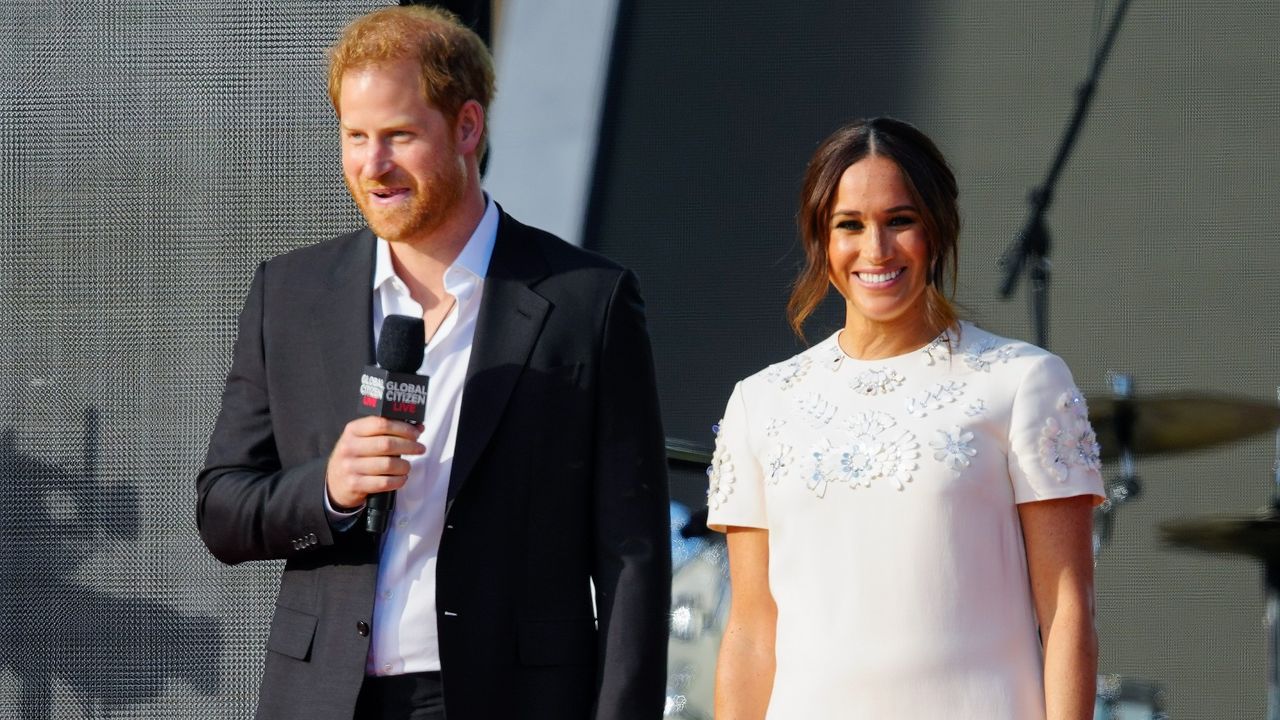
(889, 489)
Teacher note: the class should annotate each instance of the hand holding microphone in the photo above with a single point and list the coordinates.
(366, 466)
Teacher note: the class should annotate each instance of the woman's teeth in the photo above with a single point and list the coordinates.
(881, 277)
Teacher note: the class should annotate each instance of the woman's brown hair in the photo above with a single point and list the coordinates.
(933, 189)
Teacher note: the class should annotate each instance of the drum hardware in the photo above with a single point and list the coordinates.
(1125, 486)
(689, 619)
(700, 598)
(1259, 537)
(1121, 698)
(677, 705)
(697, 454)
(1128, 427)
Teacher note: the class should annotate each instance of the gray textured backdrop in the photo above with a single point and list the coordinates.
(150, 155)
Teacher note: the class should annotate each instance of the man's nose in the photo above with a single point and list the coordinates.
(378, 160)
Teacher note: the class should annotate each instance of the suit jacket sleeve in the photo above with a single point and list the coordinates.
(249, 507)
(632, 518)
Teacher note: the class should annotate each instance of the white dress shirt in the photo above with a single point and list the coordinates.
(404, 637)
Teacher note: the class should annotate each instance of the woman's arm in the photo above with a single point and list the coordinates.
(1060, 561)
(744, 673)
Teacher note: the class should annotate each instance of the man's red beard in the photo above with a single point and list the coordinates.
(428, 207)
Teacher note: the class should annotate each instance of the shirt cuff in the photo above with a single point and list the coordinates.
(338, 520)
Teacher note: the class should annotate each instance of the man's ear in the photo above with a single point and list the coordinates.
(469, 127)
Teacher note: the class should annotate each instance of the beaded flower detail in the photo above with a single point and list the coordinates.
(877, 381)
(1067, 440)
(720, 478)
(777, 463)
(899, 460)
(787, 374)
(936, 351)
(774, 427)
(935, 398)
(817, 409)
(869, 424)
(953, 449)
(857, 462)
(819, 476)
(832, 356)
(976, 408)
(865, 457)
(981, 356)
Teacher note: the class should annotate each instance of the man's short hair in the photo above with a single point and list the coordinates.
(456, 65)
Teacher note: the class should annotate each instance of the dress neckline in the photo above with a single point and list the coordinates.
(935, 349)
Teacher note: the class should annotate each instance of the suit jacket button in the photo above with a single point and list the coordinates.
(362, 627)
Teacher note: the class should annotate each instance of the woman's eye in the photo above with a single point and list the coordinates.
(901, 221)
(849, 225)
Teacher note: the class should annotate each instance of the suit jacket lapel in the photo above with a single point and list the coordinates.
(509, 322)
(342, 318)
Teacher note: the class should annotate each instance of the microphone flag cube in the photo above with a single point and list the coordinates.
(397, 396)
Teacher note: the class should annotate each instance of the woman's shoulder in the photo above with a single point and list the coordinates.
(981, 349)
(786, 374)
(1006, 366)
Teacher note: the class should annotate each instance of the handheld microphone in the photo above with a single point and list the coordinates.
(392, 389)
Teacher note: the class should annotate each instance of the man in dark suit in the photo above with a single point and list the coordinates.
(525, 572)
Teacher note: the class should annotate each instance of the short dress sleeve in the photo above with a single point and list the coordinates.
(1053, 452)
(735, 495)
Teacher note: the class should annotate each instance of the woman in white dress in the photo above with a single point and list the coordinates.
(908, 502)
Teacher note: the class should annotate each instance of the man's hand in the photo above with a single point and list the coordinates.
(366, 460)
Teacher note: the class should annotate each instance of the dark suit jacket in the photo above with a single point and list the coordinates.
(559, 478)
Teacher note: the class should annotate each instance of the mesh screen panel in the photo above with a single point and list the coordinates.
(1164, 250)
(150, 155)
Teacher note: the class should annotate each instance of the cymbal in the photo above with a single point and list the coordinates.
(1258, 536)
(1173, 423)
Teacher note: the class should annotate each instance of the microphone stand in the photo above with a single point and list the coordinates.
(1031, 247)
(1271, 608)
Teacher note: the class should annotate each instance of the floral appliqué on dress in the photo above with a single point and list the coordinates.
(937, 351)
(1067, 440)
(866, 456)
(935, 398)
(817, 409)
(787, 374)
(898, 460)
(777, 463)
(720, 478)
(819, 476)
(986, 353)
(953, 449)
(877, 381)
(869, 424)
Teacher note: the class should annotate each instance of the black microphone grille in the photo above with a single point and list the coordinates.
(400, 344)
